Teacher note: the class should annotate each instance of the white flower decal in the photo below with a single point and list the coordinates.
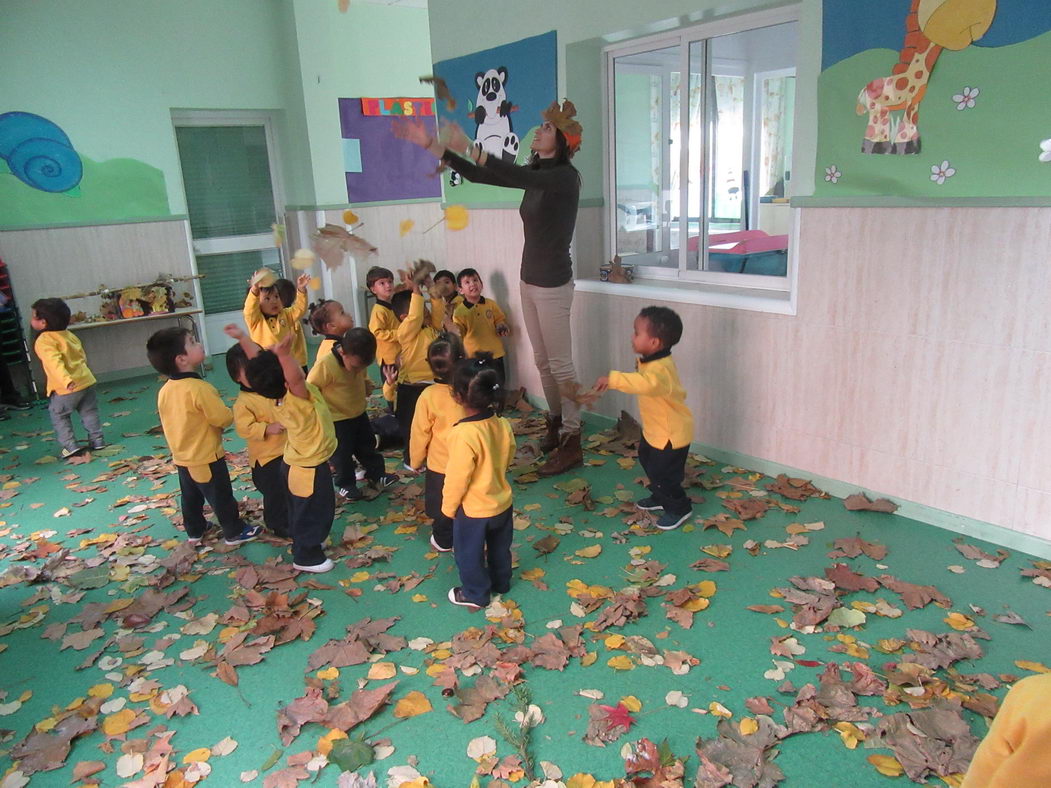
(965, 99)
(1045, 150)
(939, 172)
(832, 174)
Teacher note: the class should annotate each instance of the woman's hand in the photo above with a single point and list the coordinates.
(452, 135)
(415, 131)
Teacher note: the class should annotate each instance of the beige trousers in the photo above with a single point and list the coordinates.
(545, 311)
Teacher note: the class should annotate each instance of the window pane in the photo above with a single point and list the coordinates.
(226, 174)
(225, 281)
(645, 103)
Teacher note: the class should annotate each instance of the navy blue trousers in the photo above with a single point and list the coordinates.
(483, 554)
(274, 489)
(666, 468)
(441, 526)
(310, 516)
(356, 441)
(219, 495)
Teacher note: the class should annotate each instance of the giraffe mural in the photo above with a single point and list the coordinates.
(930, 27)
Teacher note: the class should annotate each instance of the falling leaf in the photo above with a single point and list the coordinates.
(349, 217)
(411, 705)
(405, 227)
(456, 217)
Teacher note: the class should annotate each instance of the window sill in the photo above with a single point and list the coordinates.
(684, 292)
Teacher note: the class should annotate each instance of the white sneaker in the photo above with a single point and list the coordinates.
(325, 566)
(359, 474)
(438, 547)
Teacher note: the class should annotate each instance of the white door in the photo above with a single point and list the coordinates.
(233, 197)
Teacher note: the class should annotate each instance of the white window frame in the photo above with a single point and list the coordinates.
(719, 288)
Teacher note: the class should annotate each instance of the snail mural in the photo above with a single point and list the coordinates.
(38, 152)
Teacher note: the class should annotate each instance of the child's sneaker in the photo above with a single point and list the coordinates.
(669, 521)
(196, 540)
(325, 566)
(248, 533)
(350, 493)
(457, 598)
(438, 547)
(16, 403)
(648, 504)
(385, 481)
(67, 453)
(100, 444)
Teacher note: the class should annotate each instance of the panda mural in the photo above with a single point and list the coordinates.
(493, 132)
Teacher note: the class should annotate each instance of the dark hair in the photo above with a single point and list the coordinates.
(664, 324)
(464, 274)
(399, 302)
(476, 383)
(319, 315)
(443, 273)
(443, 354)
(53, 311)
(265, 375)
(361, 343)
(286, 289)
(236, 361)
(562, 152)
(164, 347)
(376, 273)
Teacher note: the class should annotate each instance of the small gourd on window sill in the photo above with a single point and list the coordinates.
(613, 271)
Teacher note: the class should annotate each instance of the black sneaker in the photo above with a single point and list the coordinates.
(385, 481)
(350, 493)
(248, 533)
(457, 598)
(669, 521)
(648, 504)
(97, 445)
(438, 547)
(16, 404)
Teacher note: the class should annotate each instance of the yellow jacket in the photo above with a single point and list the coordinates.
(193, 417)
(481, 449)
(414, 338)
(324, 349)
(253, 413)
(62, 357)
(383, 324)
(299, 342)
(1013, 753)
(662, 400)
(342, 388)
(266, 331)
(439, 306)
(478, 324)
(436, 412)
(310, 436)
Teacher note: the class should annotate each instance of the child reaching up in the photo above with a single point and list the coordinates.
(289, 294)
(329, 320)
(436, 413)
(476, 494)
(70, 384)
(667, 424)
(415, 335)
(383, 322)
(481, 320)
(268, 319)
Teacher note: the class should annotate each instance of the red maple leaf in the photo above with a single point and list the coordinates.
(618, 715)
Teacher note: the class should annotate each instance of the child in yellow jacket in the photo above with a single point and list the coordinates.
(436, 412)
(481, 321)
(444, 299)
(267, 318)
(193, 417)
(330, 321)
(415, 335)
(476, 494)
(289, 294)
(70, 384)
(667, 424)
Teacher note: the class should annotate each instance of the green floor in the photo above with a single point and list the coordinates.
(49, 506)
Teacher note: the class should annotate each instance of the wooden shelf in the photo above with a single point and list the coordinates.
(123, 321)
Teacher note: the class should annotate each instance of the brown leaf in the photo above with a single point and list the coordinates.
(861, 502)
(747, 508)
(361, 705)
(848, 580)
(725, 523)
(226, 673)
(852, 548)
(546, 545)
(915, 596)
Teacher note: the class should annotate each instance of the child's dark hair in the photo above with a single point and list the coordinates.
(319, 315)
(376, 273)
(265, 376)
(444, 274)
(54, 312)
(286, 291)
(236, 361)
(464, 274)
(476, 383)
(361, 343)
(664, 324)
(399, 302)
(164, 346)
(443, 354)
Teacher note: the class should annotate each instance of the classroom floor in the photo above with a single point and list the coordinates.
(125, 656)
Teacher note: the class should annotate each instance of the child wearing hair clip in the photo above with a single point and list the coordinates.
(476, 494)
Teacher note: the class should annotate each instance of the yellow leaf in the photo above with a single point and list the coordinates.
(719, 710)
(383, 670)
(405, 227)
(589, 658)
(850, 733)
(886, 765)
(533, 574)
(46, 724)
(621, 662)
(349, 217)
(315, 283)
(359, 577)
(589, 552)
(324, 744)
(1036, 667)
(958, 621)
(101, 691)
(435, 669)
(748, 726)
(581, 780)
(419, 597)
(717, 550)
(695, 605)
(197, 756)
(456, 217)
(328, 674)
(614, 641)
(631, 703)
(118, 723)
(405, 529)
(705, 588)
(411, 705)
(952, 780)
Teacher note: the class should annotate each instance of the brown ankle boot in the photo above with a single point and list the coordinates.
(550, 440)
(569, 454)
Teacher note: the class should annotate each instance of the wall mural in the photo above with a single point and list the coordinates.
(933, 98)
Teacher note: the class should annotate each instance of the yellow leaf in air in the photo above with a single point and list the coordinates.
(328, 674)
(886, 765)
(199, 755)
(405, 227)
(621, 662)
(383, 670)
(958, 621)
(349, 217)
(315, 283)
(456, 217)
(748, 726)
(1036, 667)
(589, 552)
(719, 710)
(324, 744)
(411, 705)
(631, 703)
(116, 724)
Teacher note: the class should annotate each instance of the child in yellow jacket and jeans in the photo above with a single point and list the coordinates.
(667, 424)
(70, 384)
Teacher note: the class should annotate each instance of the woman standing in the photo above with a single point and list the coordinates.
(549, 215)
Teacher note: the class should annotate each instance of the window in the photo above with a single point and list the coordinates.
(700, 166)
